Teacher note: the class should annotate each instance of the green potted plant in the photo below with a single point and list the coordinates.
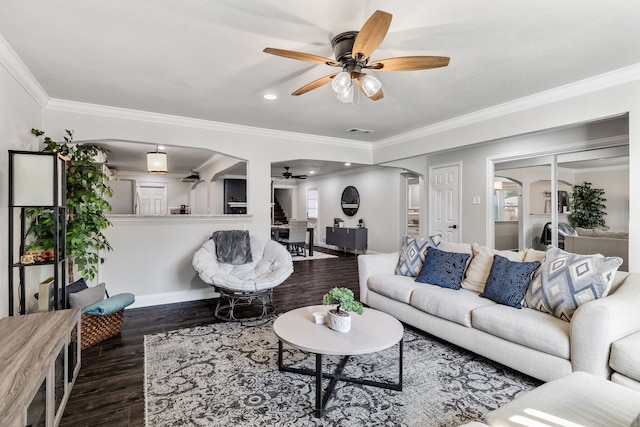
(339, 318)
(87, 205)
(587, 206)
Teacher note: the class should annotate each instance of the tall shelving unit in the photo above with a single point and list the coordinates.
(37, 181)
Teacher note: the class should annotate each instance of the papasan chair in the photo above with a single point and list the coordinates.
(244, 269)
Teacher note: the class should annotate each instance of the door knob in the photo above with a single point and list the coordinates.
(453, 226)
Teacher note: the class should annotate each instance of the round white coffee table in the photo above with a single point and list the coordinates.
(370, 332)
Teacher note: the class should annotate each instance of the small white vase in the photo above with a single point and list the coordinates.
(339, 322)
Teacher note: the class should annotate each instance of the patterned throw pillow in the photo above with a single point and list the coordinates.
(413, 254)
(445, 269)
(568, 280)
(508, 281)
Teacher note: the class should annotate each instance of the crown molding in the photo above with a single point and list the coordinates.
(14, 65)
(602, 81)
(56, 104)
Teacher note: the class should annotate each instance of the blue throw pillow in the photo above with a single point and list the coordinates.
(445, 269)
(508, 281)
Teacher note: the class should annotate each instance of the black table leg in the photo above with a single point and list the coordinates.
(319, 402)
(323, 397)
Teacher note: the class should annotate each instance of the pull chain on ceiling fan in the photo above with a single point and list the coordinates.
(352, 50)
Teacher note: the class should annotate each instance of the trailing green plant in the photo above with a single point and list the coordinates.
(87, 205)
(344, 298)
(587, 206)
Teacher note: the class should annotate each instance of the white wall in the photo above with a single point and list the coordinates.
(379, 202)
(151, 257)
(615, 183)
(19, 113)
(476, 183)
(602, 97)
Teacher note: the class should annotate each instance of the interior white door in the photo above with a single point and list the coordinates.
(152, 198)
(445, 202)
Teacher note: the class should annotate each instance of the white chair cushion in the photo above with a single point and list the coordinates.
(271, 266)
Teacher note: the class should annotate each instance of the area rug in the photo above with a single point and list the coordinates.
(316, 255)
(227, 375)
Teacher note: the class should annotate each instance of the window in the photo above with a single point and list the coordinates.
(312, 203)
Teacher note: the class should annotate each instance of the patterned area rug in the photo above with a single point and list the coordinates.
(316, 255)
(227, 375)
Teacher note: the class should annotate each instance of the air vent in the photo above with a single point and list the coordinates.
(360, 131)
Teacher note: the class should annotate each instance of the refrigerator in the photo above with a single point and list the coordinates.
(123, 200)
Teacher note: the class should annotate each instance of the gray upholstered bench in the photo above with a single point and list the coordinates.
(625, 361)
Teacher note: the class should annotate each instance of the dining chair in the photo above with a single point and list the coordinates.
(297, 237)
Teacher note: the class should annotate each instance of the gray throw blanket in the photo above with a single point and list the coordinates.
(233, 246)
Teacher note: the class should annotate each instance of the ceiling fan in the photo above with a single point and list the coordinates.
(352, 50)
(286, 174)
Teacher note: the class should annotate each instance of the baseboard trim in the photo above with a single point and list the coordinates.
(174, 297)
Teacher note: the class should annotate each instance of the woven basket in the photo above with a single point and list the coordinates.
(94, 329)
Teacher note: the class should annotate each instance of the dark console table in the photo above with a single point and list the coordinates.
(348, 238)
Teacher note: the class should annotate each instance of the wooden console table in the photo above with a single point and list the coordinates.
(348, 238)
(41, 360)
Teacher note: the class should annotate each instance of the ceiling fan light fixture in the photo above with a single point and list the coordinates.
(370, 85)
(346, 97)
(341, 83)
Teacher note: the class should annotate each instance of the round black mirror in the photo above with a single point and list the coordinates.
(350, 201)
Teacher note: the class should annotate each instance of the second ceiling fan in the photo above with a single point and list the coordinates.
(352, 50)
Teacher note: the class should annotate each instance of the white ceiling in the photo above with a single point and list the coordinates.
(204, 59)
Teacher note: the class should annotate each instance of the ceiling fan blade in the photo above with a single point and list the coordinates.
(301, 56)
(410, 63)
(314, 84)
(371, 35)
(376, 96)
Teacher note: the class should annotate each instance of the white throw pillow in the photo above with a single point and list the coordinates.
(480, 266)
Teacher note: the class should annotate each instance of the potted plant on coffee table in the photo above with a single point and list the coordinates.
(339, 318)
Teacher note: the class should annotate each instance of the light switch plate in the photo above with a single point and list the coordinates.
(475, 200)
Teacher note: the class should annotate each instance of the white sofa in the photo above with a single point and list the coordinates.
(577, 399)
(527, 340)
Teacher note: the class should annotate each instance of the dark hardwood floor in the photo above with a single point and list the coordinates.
(109, 389)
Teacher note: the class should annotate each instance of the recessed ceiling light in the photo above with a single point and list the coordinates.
(161, 147)
(270, 97)
(347, 164)
(312, 172)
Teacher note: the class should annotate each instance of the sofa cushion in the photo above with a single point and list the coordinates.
(413, 253)
(624, 356)
(534, 255)
(479, 267)
(527, 327)
(508, 281)
(585, 232)
(393, 286)
(611, 234)
(453, 305)
(577, 399)
(568, 280)
(444, 269)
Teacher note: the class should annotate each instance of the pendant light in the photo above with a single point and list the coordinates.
(156, 161)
